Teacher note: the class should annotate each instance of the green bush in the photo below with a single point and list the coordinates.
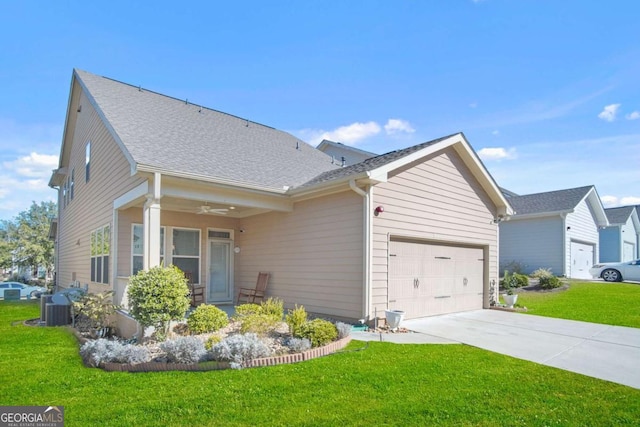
(211, 341)
(319, 332)
(259, 324)
(158, 296)
(246, 310)
(521, 280)
(97, 307)
(542, 272)
(273, 307)
(295, 319)
(550, 282)
(207, 318)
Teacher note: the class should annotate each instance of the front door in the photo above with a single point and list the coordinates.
(219, 277)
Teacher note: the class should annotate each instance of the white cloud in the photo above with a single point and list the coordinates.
(353, 133)
(34, 165)
(609, 112)
(24, 180)
(394, 126)
(633, 116)
(497, 153)
(495, 132)
(613, 201)
(630, 200)
(609, 201)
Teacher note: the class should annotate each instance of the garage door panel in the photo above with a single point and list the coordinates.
(431, 279)
(581, 259)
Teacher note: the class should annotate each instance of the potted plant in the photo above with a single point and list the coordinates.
(508, 283)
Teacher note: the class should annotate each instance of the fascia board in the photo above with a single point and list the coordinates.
(107, 124)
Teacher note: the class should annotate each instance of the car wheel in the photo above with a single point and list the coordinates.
(611, 275)
(33, 295)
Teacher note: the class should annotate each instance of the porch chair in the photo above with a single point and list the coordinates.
(197, 292)
(252, 295)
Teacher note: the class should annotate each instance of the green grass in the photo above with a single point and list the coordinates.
(608, 303)
(384, 384)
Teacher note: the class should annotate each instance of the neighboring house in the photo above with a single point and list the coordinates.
(619, 241)
(344, 155)
(145, 179)
(556, 229)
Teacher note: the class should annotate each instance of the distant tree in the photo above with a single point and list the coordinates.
(5, 246)
(28, 236)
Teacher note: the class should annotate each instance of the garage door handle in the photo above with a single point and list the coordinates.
(443, 257)
(443, 296)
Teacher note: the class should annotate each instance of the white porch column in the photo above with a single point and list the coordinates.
(151, 225)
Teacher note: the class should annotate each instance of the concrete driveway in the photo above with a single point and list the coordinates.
(610, 353)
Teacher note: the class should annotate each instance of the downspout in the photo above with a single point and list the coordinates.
(366, 195)
(564, 244)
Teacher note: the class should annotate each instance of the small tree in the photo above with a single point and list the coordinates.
(158, 296)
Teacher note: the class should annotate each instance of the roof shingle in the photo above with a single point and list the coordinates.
(179, 137)
(619, 215)
(552, 201)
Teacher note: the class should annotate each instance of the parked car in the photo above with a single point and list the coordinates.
(26, 291)
(617, 271)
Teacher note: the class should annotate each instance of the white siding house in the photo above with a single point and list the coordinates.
(557, 230)
(619, 242)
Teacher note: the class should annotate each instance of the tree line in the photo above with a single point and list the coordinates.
(24, 240)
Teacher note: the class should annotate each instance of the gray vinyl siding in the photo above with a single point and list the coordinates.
(436, 200)
(314, 254)
(92, 205)
(610, 244)
(583, 229)
(533, 243)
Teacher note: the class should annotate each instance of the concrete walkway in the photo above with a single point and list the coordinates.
(610, 353)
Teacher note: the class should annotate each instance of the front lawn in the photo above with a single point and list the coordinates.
(608, 303)
(383, 384)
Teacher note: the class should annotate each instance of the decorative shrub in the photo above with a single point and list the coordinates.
(344, 330)
(273, 307)
(238, 349)
(295, 319)
(550, 282)
(246, 310)
(97, 307)
(515, 266)
(211, 341)
(102, 350)
(319, 332)
(158, 296)
(521, 280)
(298, 345)
(542, 272)
(184, 350)
(207, 318)
(260, 324)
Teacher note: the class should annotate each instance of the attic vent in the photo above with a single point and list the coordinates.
(213, 234)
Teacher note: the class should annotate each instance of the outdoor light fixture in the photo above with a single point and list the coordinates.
(378, 210)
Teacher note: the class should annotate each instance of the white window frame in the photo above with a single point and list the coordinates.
(162, 246)
(170, 256)
(100, 257)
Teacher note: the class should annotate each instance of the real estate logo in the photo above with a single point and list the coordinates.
(31, 416)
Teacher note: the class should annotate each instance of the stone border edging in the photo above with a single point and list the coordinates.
(216, 366)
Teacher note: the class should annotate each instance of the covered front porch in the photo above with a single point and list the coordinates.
(194, 225)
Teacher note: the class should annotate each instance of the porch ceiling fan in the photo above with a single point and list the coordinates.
(205, 209)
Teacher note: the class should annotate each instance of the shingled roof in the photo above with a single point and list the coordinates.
(370, 164)
(175, 136)
(619, 215)
(552, 201)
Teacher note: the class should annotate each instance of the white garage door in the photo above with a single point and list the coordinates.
(581, 260)
(628, 251)
(428, 279)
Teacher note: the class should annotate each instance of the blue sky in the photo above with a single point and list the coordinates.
(548, 93)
